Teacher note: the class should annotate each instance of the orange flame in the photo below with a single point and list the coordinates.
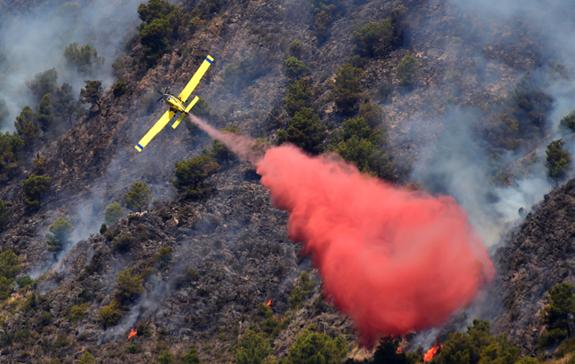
(268, 303)
(431, 352)
(133, 333)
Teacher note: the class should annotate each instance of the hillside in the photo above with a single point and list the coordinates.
(182, 243)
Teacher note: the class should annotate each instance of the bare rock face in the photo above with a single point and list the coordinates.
(539, 255)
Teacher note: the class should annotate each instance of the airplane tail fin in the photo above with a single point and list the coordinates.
(188, 109)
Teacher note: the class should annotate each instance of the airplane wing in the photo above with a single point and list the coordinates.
(195, 80)
(154, 130)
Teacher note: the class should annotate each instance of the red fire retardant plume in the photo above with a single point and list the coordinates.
(394, 260)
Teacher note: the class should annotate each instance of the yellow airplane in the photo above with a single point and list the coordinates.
(177, 105)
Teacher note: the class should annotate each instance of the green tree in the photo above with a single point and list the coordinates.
(558, 160)
(27, 126)
(110, 314)
(314, 347)
(295, 68)
(160, 20)
(305, 130)
(87, 358)
(83, 58)
(59, 234)
(113, 213)
(44, 83)
(4, 214)
(191, 175)
(10, 144)
(9, 264)
(253, 348)
(406, 71)
(347, 89)
(45, 116)
(129, 286)
(6, 288)
(138, 196)
(4, 113)
(558, 314)
(191, 357)
(299, 95)
(92, 94)
(325, 12)
(376, 38)
(301, 291)
(568, 121)
(35, 188)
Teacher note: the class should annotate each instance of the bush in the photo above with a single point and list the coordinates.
(376, 38)
(87, 358)
(191, 357)
(59, 234)
(347, 90)
(35, 188)
(113, 213)
(191, 175)
(253, 348)
(568, 121)
(129, 286)
(9, 264)
(110, 314)
(123, 242)
(138, 196)
(406, 71)
(305, 130)
(165, 357)
(558, 160)
(302, 290)
(314, 347)
(6, 287)
(296, 48)
(164, 257)
(83, 58)
(298, 96)
(78, 312)
(295, 68)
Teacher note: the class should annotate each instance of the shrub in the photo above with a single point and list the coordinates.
(376, 38)
(77, 312)
(192, 173)
(314, 347)
(44, 83)
(113, 213)
(35, 188)
(9, 265)
(295, 68)
(123, 242)
(27, 126)
(305, 130)
(295, 48)
(191, 357)
(6, 287)
(25, 281)
(347, 90)
(299, 95)
(165, 357)
(138, 196)
(568, 121)
(87, 358)
(558, 160)
(164, 257)
(253, 348)
(83, 58)
(129, 286)
(302, 290)
(110, 314)
(406, 70)
(91, 94)
(59, 234)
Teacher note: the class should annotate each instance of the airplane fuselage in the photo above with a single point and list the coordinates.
(175, 103)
